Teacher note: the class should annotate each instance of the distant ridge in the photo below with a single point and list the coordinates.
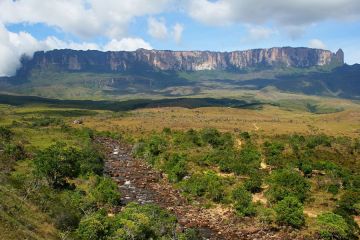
(165, 60)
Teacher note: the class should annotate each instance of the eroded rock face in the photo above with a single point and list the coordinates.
(73, 60)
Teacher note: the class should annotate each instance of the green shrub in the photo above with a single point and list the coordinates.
(266, 215)
(333, 189)
(254, 183)
(57, 164)
(105, 192)
(273, 153)
(217, 140)
(156, 145)
(91, 161)
(289, 211)
(348, 201)
(175, 167)
(244, 162)
(332, 226)
(94, 227)
(6, 134)
(243, 202)
(285, 182)
(15, 151)
(207, 184)
(143, 222)
(317, 140)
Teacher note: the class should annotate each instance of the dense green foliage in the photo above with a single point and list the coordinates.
(284, 183)
(243, 202)
(332, 226)
(289, 211)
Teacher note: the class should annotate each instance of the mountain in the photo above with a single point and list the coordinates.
(71, 60)
(71, 74)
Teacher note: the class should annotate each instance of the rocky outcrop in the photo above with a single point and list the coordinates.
(72, 60)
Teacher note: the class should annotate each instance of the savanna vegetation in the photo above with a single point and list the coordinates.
(53, 186)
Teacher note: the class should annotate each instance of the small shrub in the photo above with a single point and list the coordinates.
(243, 202)
(6, 134)
(207, 184)
(105, 192)
(175, 167)
(283, 183)
(253, 184)
(333, 189)
(93, 227)
(266, 215)
(289, 211)
(156, 145)
(332, 226)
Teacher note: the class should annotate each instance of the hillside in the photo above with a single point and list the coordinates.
(70, 74)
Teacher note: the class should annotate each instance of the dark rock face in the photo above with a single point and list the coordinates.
(72, 60)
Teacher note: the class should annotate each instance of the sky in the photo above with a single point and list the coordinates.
(27, 26)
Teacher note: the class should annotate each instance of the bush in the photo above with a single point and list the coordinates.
(91, 161)
(217, 140)
(243, 202)
(143, 222)
(253, 184)
(333, 189)
(211, 136)
(175, 167)
(93, 227)
(57, 164)
(15, 151)
(207, 184)
(273, 153)
(105, 192)
(348, 201)
(332, 226)
(283, 183)
(266, 215)
(244, 162)
(6, 134)
(289, 211)
(156, 145)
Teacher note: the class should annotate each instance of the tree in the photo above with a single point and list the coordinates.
(285, 182)
(332, 226)
(57, 163)
(289, 211)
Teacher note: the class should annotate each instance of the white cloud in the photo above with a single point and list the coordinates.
(260, 33)
(317, 43)
(157, 28)
(83, 18)
(292, 15)
(126, 44)
(177, 32)
(14, 45)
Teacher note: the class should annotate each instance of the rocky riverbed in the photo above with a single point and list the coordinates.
(138, 182)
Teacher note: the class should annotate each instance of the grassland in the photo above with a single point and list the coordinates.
(39, 125)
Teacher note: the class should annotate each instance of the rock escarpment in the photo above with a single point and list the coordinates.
(72, 60)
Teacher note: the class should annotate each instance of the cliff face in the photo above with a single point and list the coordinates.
(71, 60)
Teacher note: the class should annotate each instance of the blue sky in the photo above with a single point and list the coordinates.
(217, 25)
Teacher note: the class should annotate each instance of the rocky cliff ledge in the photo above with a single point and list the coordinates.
(72, 60)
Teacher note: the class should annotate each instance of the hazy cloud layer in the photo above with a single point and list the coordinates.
(291, 14)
